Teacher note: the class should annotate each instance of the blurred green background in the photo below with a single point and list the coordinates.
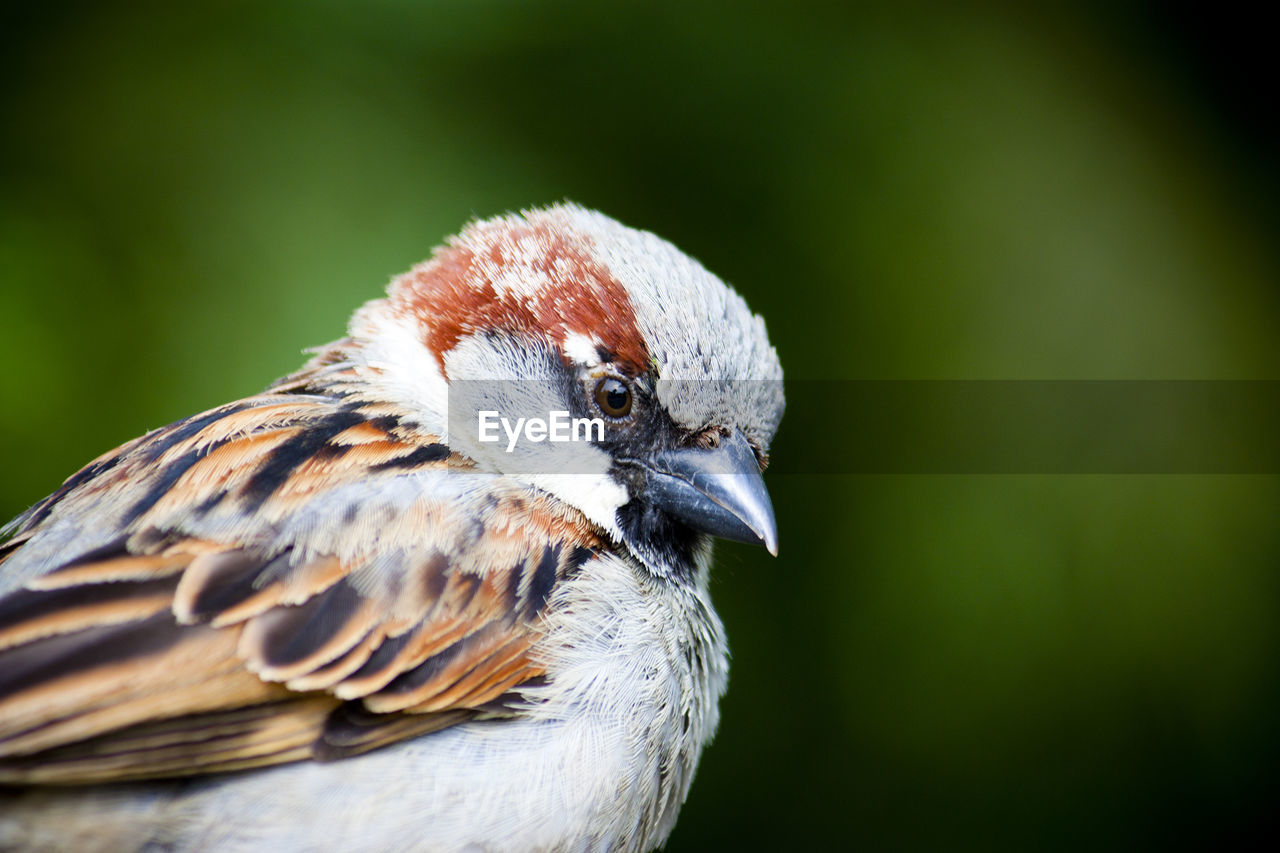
(922, 190)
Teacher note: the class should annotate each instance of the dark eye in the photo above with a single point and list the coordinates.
(613, 397)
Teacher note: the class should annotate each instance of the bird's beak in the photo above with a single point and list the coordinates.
(717, 490)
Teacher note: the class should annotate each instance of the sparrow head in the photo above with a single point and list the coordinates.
(565, 310)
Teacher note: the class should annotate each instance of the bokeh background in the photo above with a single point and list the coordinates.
(192, 193)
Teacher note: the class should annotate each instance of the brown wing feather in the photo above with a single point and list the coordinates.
(193, 642)
(213, 741)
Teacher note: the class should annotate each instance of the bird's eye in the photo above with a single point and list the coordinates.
(613, 397)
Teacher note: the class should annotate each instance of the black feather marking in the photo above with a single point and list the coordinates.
(327, 670)
(204, 507)
(284, 460)
(151, 540)
(115, 548)
(543, 579)
(383, 656)
(169, 475)
(9, 547)
(579, 555)
(513, 587)
(26, 605)
(419, 457)
(86, 474)
(386, 423)
(293, 633)
(432, 578)
(231, 583)
(351, 730)
(330, 452)
(47, 660)
(430, 668)
(659, 537)
(470, 585)
(349, 723)
(180, 431)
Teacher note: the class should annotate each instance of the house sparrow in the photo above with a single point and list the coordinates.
(337, 615)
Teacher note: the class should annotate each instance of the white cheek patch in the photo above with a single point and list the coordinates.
(598, 496)
(515, 381)
(404, 370)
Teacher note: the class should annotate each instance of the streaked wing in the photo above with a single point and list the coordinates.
(290, 576)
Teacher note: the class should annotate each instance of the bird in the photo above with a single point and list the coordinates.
(338, 614)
